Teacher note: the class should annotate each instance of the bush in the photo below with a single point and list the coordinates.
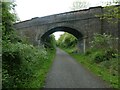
(103, 41)
(111, 53)
(98, 57)
(88, 52)
(21, 63)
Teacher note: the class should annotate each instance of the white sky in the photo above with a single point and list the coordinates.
(27, 9)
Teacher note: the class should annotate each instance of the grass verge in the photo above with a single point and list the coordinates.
(98, 69)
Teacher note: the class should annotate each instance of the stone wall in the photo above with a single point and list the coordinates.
(83, 21)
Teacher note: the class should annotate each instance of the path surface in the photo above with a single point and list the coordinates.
(67, 73)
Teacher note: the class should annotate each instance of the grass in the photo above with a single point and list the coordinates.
(98, 69)
(41, 74)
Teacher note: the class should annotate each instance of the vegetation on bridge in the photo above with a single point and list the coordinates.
(23, 65)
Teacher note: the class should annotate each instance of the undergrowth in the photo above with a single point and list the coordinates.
(24, 66)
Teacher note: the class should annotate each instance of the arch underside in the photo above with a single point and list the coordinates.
(72, 31)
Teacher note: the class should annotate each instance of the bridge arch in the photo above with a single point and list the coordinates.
(70, 30)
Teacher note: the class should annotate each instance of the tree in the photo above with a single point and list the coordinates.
(7, 17)
(112, 12)
(67, 40)
(79, 4)
(50, 42)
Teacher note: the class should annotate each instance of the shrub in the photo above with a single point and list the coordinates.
(21, 62)
(88, 52)
(98, 57)
(102, 41)
(111, 53)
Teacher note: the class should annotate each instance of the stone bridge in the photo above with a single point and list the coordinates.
(82, 24)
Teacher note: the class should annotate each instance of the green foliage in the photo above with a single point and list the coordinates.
(7, 17)
(50, 42)
(67, 40)
(107, 70)
(102, 48)
(111, 12)
(111, 66)
(102, 41)
(22, 63)
(101, 58)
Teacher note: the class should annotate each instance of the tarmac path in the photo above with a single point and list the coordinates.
(67, 73)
